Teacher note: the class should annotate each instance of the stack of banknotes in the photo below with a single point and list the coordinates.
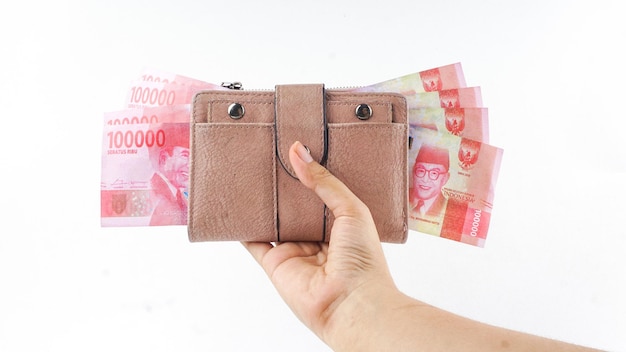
(452, 168)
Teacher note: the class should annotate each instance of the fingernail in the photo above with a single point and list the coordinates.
(303, 152)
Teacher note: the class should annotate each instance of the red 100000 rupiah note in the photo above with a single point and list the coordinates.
(452, 182)
(471, 123)
(145, 167)
(436, 79)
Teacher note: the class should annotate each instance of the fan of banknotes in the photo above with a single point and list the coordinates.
(452, 169)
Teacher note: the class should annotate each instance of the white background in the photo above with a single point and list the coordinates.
(551, 73)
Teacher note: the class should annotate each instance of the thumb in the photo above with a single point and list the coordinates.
(334, 193)
(354, 241)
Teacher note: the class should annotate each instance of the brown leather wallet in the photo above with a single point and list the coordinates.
(243, 187)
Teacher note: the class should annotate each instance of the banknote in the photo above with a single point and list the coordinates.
(146, 93)
(439, 78)
(150, 74)
(145, 152)
(452, 183)
(149, 115)
(145, 170)
(471, 123)
(468, 97)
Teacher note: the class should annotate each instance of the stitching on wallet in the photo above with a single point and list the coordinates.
(323, 142)
(373, 126)
(274, 194)
(278, 132)
(241, 101)
(371, 95)
(355, 102)
(229, 126)
(195, 107)
(237, 94)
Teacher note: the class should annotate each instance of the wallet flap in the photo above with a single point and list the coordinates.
(300, 116)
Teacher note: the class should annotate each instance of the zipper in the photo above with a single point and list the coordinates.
(239, 86)
(233, 85)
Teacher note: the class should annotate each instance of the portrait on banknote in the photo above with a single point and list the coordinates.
(170, 182)
(430, 173)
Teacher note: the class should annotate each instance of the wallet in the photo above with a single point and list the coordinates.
(242, 186)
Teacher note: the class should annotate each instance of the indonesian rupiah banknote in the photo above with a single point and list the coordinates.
(145, 167)
(435, 79)
(145, 152)
(471, 123)
(450, 98)
(452, 181)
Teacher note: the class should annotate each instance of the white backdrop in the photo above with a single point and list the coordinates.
(551, 74)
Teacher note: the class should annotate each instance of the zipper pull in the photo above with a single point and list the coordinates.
(233, 85)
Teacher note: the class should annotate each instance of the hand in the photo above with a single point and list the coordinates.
(316, 279)
(343, 291)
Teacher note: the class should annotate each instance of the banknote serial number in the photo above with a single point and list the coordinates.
(136, 139)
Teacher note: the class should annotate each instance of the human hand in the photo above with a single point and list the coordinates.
(342, 290)
(321, 282)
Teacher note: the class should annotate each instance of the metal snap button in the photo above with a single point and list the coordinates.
(236, 111)
(363, 111)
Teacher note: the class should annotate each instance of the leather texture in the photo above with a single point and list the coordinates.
(243, 187)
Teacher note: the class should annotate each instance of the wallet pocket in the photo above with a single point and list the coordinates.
(372, 156)
(233, 186)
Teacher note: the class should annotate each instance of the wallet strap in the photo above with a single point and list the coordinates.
(300, 116)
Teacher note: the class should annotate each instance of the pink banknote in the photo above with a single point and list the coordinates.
(471, 123)
(148, 115)
(469, 97)
(145, 152)
(452, 183)
(145, 167)
(436, 79)
(160, 76)
(155, 94)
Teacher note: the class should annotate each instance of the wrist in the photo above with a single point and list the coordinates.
(364, 317)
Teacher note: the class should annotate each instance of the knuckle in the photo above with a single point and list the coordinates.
(360, 210)
(321, 173)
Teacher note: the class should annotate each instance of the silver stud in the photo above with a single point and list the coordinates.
(363, 111)
(236, 111)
